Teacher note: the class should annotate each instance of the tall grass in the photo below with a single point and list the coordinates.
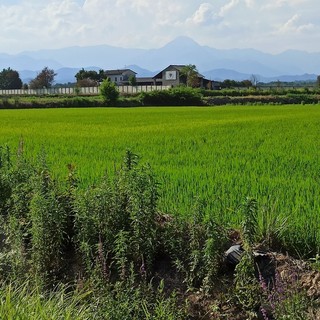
(25, 302)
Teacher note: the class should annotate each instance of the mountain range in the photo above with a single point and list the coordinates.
(214, 64)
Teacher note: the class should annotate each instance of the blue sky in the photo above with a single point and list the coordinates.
(268, 25)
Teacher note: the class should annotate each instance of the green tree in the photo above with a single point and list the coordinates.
(228, 83)
(318, 81)
(89, 78)
(190, 75)
(44, 79)
(10, 79)
(133, 80)
(246, 83)
(109, 91)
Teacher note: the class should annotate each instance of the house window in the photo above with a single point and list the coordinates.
(121, 79)
(115, 79)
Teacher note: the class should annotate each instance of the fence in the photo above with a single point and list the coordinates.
(80, 91)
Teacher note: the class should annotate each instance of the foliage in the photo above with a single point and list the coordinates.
(10, 79)
(285, 299)
(26, 302)
(132, 80)
(86, 83)
(236, 84)
(110, 231)
(190, 76)
(177, 96)
(250, 222)
(196, 248)
(109, 91)
(5, 185)
(47, 226)
(272, 227)
(247, 289)
(89, 78)
(44, 79)
(118, 219)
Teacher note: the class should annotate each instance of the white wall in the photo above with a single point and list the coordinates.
(84, 91)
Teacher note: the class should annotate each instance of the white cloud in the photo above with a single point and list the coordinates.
(250, 3)
(267, 25)
(229, 6)
(204, 15)
(293, 25)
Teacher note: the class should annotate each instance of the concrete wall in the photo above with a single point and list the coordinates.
(84, 91)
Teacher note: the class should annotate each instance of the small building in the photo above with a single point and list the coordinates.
(171, 76)
(211, 84)
(145, 81)
(120, 76)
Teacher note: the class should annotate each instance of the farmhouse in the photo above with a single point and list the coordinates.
(120, 76)
(172, 76)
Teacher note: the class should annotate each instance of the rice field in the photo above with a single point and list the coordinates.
(218, 154)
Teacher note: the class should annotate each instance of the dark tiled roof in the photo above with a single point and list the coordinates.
(117, 72)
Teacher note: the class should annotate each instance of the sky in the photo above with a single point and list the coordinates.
(271, 26)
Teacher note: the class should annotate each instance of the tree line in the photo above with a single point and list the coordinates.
(10, 79)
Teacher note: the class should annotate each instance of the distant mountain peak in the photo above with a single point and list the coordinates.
(181, 42)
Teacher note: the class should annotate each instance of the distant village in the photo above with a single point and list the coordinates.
(88, 81)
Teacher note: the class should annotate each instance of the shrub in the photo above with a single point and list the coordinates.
(117, 218)
(47, 220)
(109, 91)
(177, 96)
(195, 248)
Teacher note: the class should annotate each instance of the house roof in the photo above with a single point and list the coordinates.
(117, 72)
(178, 67)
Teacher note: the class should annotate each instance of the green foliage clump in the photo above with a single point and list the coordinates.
(196, 248)
(44, 79)
(115, 221)
(106, 234)
(26, 301)
(10, 79)
(109, 91)
(177, 96)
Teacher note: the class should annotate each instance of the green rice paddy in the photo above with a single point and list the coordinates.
(218, 154)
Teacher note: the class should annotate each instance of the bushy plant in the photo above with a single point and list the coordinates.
(5, 186)
(247, 290)
(26, 301)
(177, 96)
(129, 301)
(250, 222)
(47, 225)
(196, 248)
(109, 91)
(285, 299)
(118, 218)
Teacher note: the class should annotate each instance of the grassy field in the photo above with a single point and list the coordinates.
(220, 154)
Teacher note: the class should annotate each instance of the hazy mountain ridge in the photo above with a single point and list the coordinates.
(211, 62)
